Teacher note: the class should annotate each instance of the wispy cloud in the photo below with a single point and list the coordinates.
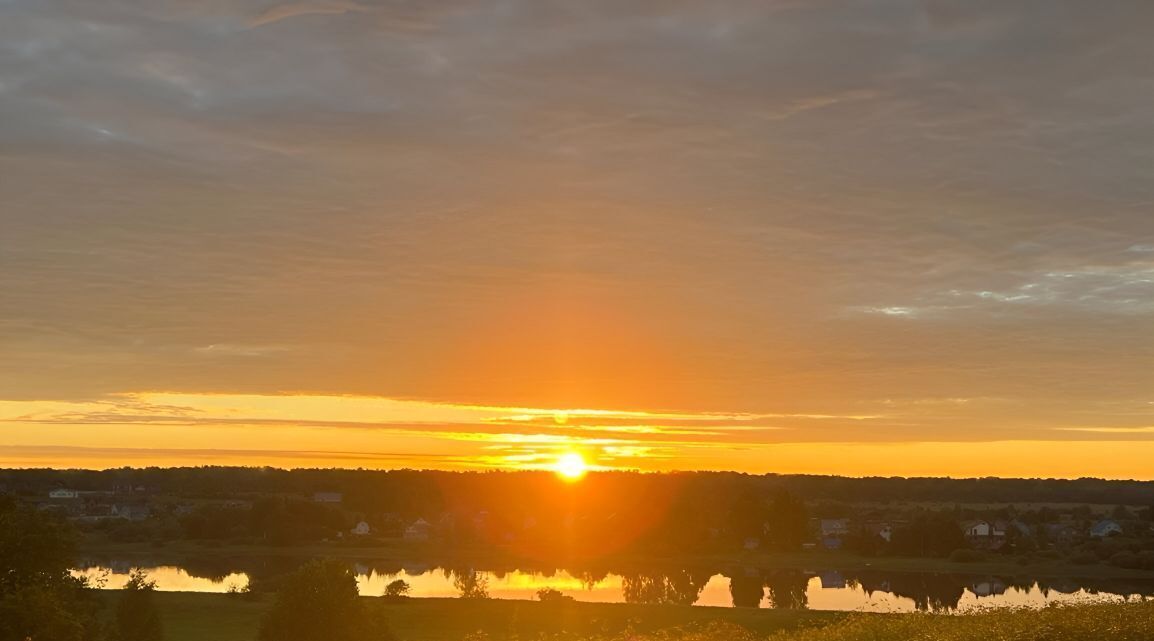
(762, 216)
(298, 9)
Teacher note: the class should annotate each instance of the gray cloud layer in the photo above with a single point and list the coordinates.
(750, 206)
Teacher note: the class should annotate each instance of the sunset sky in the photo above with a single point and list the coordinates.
(895, 237)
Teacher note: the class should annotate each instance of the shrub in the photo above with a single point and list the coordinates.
(552, 595)
(471, 585)
(246, 592)
(320, 601)
(136, 616)
(397, 590)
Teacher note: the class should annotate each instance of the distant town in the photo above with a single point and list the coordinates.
(614, 514)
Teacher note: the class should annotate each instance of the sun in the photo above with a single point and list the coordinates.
(571, 466)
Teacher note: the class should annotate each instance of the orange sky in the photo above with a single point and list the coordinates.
(833, 237)
(373, 432)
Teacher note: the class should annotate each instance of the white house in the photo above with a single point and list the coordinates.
(419, 530)
(834, 527)
(1105, 528)
(63, 494)
(362, 529)
(328, 497)
(978, 529)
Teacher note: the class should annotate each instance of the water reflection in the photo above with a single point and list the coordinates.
(168, 578)
(869, 590)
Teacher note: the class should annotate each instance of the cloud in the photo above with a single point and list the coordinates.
(759, 209)
(297, 9)
(242, 350)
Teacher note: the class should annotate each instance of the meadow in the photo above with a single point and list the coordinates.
(197, 617)
(219, 617)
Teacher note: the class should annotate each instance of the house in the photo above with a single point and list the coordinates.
(1061, 533)
(880, 529)
(328, 497)
(130, 512)
(419, 530)
(751, 543)
(362, 529)
(1105, 528)
(63, 495)
(977, 529)
(834, 527)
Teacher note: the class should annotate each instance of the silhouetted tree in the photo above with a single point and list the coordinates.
(787, 589)
(471, 584)
(398, 588)
(932, 534)
(747, 591)
(787, 521)
(38, 597)
(747, 516)
(552, 595)
(682, 587)
(136, 616)
(320, 601)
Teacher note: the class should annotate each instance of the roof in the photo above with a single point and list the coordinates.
(1104, 526)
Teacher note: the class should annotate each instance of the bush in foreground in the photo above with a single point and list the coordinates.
(39, 600)
(552, 595)
(320, 601)
(136, 616)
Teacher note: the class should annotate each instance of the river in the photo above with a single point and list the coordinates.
(866, 591)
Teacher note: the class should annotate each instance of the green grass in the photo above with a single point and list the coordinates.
(189, 616)
(218, 617)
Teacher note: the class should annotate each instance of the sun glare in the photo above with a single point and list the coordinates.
(571, 466)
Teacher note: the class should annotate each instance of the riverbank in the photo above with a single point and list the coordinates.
(219, 617)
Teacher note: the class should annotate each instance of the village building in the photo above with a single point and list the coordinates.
(1105, 528)
(834, 527)
(977, 529)
(419, 530)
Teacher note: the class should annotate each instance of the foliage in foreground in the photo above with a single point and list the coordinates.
(39, 600)
(320, 601)
(1105, 622)
(137, 618)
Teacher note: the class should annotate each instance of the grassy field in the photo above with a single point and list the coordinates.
(1114, 622)
(214, 617)
(217, 617)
